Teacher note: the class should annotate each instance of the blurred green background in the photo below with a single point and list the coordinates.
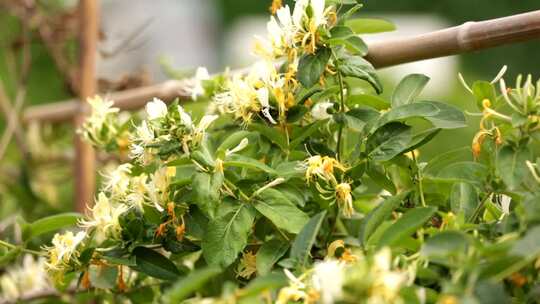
(45, 83)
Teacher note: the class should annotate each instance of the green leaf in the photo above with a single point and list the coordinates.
(357, 118)
(183, 288)
(102, 276)
(406, 225)
(241, 161)
(154, 264)
(463, 199)
(301, 247)
(311, 66)
(511, 166)
(227, 235)
(281, 211)
(388, 141)
(483, 90)
(231, 141)
(8, 257)
(343, 35)
(436, 164)
(444, 244)
(441, 115)
(206, 188)
(370, 25)
(50, 223)
(269, 253)
(358, 67)
(372, 101)
(467, 171)
(528, 247)
(380, 179)
(378, 215)
(408, 89)
(306, 132)
(421, 139)
(272, 134)
(272, 281)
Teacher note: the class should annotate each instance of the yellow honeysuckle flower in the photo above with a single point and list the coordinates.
(344, 199)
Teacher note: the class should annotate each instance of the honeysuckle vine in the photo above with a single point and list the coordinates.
(301, 183)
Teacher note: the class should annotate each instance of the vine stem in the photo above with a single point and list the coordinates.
(341, 108)
(419, 176)
(11, 246)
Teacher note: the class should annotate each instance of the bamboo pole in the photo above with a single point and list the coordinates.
(471, 36)
(84, 164)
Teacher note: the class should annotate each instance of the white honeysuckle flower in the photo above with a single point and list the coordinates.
(156, 109)
(117, 180)
(288, 29)
(63, 249)
(328, 278)
(28, 278)
(262, 94)
(100, 109)
(205, 122)
(136, 151)
(104, 217)
(317, 7)
(383, 259)
(201, 74)
(299, 12)
(243, 143)
(320, 110)
(505, 203)
(138, 188)
(185, 118)
(144, 134)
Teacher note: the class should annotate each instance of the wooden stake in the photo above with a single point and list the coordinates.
(84, 154)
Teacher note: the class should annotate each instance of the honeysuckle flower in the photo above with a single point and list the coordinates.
(241, 146)
(295, 291)
(144, 134)
(156, 109)
(197, 90)
(263, 99)
(346, 256)
(101, 109)
(200, 130)
(328, 278)
(159, 185)
(320, 110)
(104, 217)
(387, 284)
(240, 99)
(322, 167)
(138, 189)
(28, 278)
(101, 126)
(117, 180)
(185, 118)
(64, 250)
(344, 199)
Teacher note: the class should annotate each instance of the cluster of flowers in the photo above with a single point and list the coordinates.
(28, 278)
(265, 89)
(523, 103)
(320, 170)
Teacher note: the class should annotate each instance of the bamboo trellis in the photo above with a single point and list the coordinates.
(468, 37)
